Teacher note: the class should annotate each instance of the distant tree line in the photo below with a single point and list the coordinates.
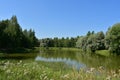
(100, 41)
(12, 36)
(90, 42)
(58, 42)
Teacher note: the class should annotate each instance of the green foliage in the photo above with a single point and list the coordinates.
(81, 43)
(29, 39)
(12, 37)
(98, 41)
(14, 33)
(31, 70)
(91, 42)
(113, 39)
(58, 42)
(3, 35)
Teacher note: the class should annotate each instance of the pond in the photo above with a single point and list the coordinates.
(72, 58)
(78, 59)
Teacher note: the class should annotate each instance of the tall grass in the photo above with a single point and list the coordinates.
(31, 70)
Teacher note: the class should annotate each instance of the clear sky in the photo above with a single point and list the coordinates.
(62, 18)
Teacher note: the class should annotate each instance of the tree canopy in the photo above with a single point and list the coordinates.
(100, 41)
(58, 42)
(91, 42)
(12, 36)
(113, 39)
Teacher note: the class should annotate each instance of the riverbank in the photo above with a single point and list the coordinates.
(37, 49)
(20, 50)
(60, 48)
(99, 52)
(31, 70)
(103, 53)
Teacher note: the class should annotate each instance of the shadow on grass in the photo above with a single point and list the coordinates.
(18, 53)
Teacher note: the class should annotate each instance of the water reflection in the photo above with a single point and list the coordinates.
(69, 62)
(78, 59)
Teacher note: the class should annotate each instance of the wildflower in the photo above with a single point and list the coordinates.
(25, 73)
(5, 67)
(33, 68)
(88, 71)
(66, 76)
(92, 69)
(7, 63)
(45, 77)
(115, 75)
(20, 61)
(8, 71)
(101, 68)
(108, 78)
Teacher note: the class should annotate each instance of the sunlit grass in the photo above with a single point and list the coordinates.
(60, 48)
(31, 70)
(103, 52)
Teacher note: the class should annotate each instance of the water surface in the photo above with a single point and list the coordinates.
(78, 59)
(71, 58)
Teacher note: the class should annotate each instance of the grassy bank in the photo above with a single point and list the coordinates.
(60, 48)
(99, 52)
(31, 70)
(103, 52)
(20, 50)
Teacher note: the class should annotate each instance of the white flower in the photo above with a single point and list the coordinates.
(92, 69)
(20, 61)
(108, 78)
(8, 71)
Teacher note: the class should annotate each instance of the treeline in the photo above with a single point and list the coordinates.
(100, 41)
(58, 42)
(91, 42)
(13, 37)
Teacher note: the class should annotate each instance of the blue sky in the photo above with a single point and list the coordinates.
(62, 18)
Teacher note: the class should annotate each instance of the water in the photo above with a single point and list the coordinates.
(71, 58)
(78, 59)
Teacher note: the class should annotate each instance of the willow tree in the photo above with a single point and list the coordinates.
(113, 39)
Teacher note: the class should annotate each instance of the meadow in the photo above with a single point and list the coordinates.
(37, 70)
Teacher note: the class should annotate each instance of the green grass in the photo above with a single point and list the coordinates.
(31, 70)
(37, 70)
(100, 52)
(103, 52)
(61, 48)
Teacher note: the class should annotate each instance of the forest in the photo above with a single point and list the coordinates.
(59, 42)
(99, 41)
(90, 42)
(12, 36)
